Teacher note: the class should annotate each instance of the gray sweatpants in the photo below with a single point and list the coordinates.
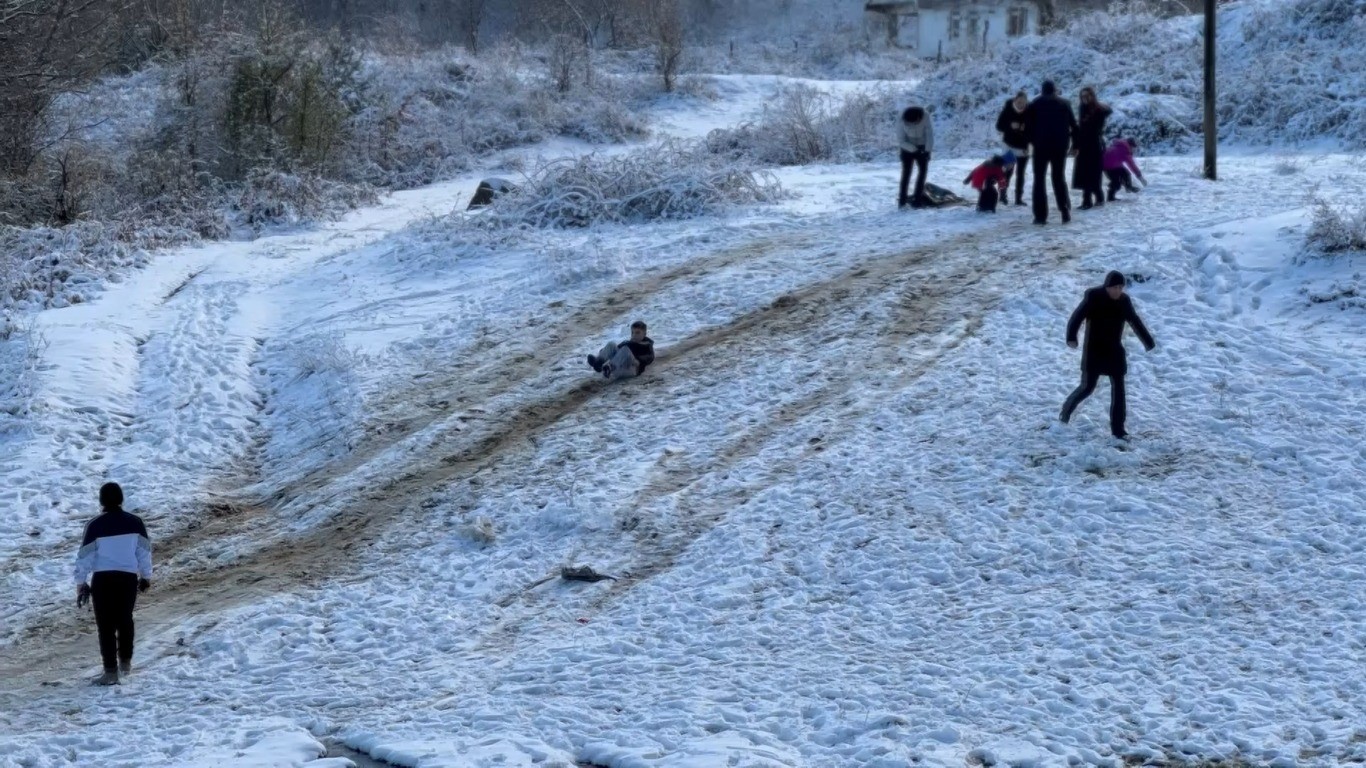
(622, 361)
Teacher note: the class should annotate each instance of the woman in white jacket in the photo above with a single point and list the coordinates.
(917, 142)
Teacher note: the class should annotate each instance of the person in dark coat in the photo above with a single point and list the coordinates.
(916, 140)
(1089, 148)
(116, 558)
(1015, 135)
(627, 359)
(1051, 124)
(1105, 310)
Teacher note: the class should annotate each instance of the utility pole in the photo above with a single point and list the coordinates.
(1211, 120)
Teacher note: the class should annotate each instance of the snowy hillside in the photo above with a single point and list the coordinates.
(843, 523)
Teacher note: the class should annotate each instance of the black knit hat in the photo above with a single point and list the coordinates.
(111, 496)
(1049, 88)
(1115, 278)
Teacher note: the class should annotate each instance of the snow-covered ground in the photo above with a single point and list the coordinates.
(845, 526)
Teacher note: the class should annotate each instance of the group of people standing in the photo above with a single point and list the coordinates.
(1045, 131)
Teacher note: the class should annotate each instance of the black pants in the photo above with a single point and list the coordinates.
(1088, 385)
(986, 201)
(1120, 177)
(1050, 166)
(114, 593)
(1018, 172)
(922, 162)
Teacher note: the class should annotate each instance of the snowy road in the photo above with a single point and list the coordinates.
(844, 529)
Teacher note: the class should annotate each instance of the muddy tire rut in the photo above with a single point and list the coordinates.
(934, 298)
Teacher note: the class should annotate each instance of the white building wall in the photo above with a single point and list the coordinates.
(994, 20)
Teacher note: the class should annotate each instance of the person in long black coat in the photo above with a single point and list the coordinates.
(1089, 147)
(1105, 310)
(1051, 124)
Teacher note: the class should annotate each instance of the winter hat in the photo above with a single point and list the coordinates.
(1008, 157)
(913, 114)
(1115, 278)
(111, 496)
(1049, 88)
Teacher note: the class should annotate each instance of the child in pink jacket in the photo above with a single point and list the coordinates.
(1117, 163)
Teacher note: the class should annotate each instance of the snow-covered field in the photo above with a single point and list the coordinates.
(845, 526)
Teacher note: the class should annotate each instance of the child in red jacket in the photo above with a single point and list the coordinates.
(991, 180)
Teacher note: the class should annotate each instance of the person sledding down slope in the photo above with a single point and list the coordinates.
(627, 359)
(1105, 310)
(991, 180)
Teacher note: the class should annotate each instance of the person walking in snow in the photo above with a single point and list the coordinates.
(1089, 146)
(1118, 162)
(1015, 135)
(116, 557)
(916, 138)
(627, 359)
(991, 180)
(1051, 125)
(1104, 310)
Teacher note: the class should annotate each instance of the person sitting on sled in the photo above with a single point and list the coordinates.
(627, 359)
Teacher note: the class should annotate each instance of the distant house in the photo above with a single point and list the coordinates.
(934, 28)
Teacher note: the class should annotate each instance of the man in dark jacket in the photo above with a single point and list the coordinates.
(1051, 125)
(116, 556)
(627, 359)
(1105, 310)
(1015, 135)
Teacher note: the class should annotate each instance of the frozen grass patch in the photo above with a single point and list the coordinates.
(671, 180)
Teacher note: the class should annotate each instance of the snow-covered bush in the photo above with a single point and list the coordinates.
(432, 115)
(671, 180)
(1333, 229)
(21, 353)
(271, 198)
(1284, 76)
(804, 125)
(45, 267)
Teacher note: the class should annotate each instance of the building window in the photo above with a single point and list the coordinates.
(1018, 22)
(974, 27)
(955, 25)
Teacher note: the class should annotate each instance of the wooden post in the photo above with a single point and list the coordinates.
(1211, 118)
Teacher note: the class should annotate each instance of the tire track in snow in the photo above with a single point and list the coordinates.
(432, 398)
(219, 581)
(924, 304)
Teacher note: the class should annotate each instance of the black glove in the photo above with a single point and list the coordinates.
(82, 595)
(144, 585)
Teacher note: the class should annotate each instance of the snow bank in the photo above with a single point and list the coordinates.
(492, 752)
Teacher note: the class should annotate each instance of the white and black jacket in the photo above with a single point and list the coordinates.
(114, 541)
